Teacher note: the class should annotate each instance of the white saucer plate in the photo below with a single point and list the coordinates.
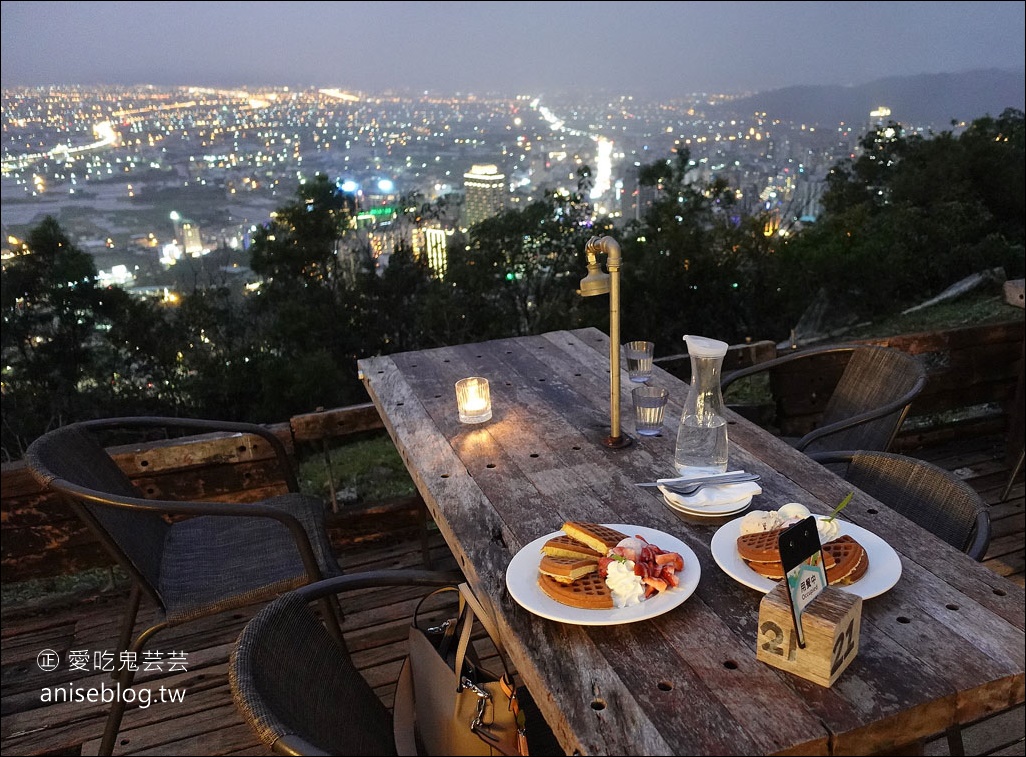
(707, 511)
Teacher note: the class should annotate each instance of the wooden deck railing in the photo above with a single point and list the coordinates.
(967, 367)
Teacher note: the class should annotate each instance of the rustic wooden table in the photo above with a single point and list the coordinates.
(944, 646)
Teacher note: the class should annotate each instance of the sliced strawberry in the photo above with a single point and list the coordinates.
(669, 575)
(656, 583)
(670, 558)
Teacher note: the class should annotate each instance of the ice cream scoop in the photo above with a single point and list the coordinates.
(758, 521)
(794, 511)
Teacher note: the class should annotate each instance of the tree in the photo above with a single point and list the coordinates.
(910, 216)
(693, 265)
(310, 316)
(520, 269)
(56, 357)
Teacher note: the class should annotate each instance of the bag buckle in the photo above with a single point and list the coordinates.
(440, 629)
(482, 701)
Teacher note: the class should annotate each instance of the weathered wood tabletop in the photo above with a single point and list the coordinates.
(944, 646)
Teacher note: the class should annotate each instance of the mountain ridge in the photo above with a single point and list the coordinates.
(930, 100)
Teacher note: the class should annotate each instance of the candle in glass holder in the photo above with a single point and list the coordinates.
(474, 400)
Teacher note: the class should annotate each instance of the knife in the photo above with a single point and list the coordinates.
(722, 478)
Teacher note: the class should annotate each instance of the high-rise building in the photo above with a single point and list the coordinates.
(437, 243)
(191, 240)
(486, 193)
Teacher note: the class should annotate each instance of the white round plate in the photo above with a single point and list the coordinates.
(884, 563)
(522, 582)
(711, 511)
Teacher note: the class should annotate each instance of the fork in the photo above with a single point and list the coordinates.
(688, 489)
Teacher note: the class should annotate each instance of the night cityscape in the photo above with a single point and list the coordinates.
(113, 163)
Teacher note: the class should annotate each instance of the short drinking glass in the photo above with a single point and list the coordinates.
(639, 360)
(649, 407)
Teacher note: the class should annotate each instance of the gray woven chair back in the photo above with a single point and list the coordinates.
(290, 678)
(872, 377)
(74, 455)
(934, 498)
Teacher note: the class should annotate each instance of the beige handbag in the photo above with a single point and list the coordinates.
(437, 714)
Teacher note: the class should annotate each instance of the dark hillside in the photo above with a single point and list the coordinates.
(926, 99)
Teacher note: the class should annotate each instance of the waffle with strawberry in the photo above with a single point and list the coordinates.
(575, 565)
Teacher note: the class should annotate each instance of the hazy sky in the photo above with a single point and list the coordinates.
(662, 48)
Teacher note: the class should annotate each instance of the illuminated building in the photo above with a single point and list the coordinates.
(188, 233)
(486, 194)
(191, 238)
(431, 243)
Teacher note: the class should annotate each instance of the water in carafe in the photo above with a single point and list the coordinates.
(702, 435)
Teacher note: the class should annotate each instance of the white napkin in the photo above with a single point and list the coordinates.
(714, 496)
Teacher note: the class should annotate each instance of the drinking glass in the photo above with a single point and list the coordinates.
(649, 408)
(639, 360)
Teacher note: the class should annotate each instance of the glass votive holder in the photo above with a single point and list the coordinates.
(473, 400)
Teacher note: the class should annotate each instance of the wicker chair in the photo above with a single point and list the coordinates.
(299, 688)
(213, 557)
(866, 406)
(932, 497)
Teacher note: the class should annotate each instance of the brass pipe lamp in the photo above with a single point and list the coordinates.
(596, 283)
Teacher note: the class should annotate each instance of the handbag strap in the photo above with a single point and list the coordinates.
(475, 608)
(448, 627)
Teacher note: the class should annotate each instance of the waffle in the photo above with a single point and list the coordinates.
(598, 537)
(771, 570)
(567, 569)
(763, 546)
(588, 592)
(564, 546)
(844, 559)
(851, 560)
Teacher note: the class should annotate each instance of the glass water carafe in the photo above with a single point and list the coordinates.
(702, 435)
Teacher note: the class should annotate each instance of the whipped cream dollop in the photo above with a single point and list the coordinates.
(627, 588)
(828, 529)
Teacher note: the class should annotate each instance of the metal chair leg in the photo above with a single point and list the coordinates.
(128, 621)
(1015, 472)
(117, 707)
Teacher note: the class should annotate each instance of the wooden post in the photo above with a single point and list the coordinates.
(831, 625)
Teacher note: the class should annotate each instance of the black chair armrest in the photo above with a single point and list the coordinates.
(905, 401)
(827, 457)
(729, 378)
(378, 578)
(881, 411)
(293, 745)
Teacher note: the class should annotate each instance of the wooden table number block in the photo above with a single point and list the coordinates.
(831, 624)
